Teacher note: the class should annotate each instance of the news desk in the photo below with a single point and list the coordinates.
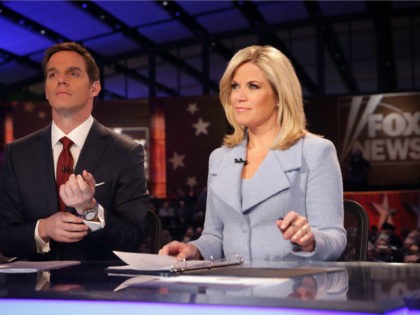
(291, 288)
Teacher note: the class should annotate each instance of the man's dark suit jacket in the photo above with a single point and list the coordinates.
(28, 192)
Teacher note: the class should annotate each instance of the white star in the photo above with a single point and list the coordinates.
(201, 127)
(384, 210)
(192, 108)
(191, 181)
(177, 161)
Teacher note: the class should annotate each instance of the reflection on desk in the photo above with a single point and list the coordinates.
(329, 285)
(321, 286)
(366, 288)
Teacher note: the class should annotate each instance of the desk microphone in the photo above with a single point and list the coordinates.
(241, 161)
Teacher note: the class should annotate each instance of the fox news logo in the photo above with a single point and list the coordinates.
(384, 132)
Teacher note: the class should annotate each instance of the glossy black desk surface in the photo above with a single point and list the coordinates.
(378, 288)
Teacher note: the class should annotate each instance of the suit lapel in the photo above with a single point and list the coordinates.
(46, 175)
(93, 148)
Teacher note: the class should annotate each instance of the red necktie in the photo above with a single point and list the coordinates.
(64, 166)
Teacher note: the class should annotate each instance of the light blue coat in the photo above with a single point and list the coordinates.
(241, 214)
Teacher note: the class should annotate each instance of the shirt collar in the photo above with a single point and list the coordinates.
(77, 135)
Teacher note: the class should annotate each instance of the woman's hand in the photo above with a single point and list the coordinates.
(296, 228)
(181, 250)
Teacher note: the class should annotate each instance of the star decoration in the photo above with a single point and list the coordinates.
(191, 181)
(192, 108)
(201, 127)
(177, 160)
(385, 212)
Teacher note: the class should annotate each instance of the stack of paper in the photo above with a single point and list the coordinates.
(152, 262)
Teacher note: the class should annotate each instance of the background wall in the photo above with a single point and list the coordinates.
(179, 133)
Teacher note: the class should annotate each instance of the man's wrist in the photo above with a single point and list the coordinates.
(41, 231)
(91, 213)
(92, 204)
(81, 209)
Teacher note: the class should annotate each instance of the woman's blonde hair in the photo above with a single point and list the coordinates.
(281, 75)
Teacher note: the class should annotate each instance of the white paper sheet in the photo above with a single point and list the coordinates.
(35, 266)
(151, 262)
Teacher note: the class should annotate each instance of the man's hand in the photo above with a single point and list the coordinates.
(78, 192)
(62, 227)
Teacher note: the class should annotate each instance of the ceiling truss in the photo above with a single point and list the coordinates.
(212, 43)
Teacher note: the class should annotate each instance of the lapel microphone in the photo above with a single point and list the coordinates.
(241, 161)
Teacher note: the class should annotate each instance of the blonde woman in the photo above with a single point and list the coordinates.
(274, 189)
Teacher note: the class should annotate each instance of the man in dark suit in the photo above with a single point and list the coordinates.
(105, 199)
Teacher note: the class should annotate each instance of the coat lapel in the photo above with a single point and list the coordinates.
(93, 148)
(226, 177)
(271, 177)
(49, 185)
